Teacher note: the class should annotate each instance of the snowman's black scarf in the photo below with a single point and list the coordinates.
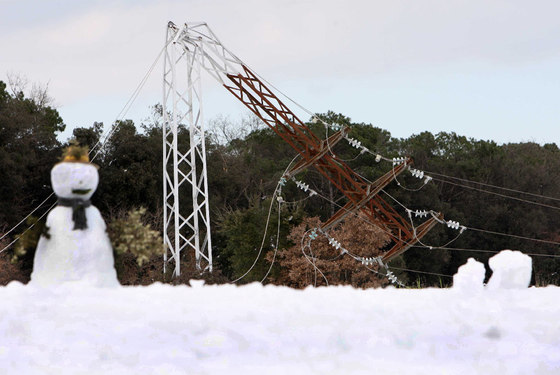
(78, 210)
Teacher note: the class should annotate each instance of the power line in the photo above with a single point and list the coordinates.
(127, 105)
(263, 239)
(277, 241)
(515, 236)
(25, 218)
(483, 251)
(432, 247)
(471, 228)
(424, 272)
(498, 194)
(274, 195)
(488, 231)
(28, 228)
(311, 259)
(494, 186)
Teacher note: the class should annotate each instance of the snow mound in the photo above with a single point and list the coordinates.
(511, 270)
(470, 276)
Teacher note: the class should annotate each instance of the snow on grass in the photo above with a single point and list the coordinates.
(255, 329)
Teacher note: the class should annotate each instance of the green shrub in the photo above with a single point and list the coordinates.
(131, 235)
(24, 248)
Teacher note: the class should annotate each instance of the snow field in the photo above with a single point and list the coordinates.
(161, 329)
(73, 328)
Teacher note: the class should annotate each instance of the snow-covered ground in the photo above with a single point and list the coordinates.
(255, 329)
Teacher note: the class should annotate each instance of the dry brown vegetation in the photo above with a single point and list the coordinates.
(360, 238)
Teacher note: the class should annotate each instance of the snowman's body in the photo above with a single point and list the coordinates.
(65, 252)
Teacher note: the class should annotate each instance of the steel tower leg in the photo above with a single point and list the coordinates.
(185, 175)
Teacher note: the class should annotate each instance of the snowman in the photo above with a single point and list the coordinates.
(75, 246)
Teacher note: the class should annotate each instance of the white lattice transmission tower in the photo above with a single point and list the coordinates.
(185, 181)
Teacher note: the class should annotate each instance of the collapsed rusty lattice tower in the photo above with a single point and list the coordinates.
(194, 46)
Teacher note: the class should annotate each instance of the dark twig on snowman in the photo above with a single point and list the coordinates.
(75, 247)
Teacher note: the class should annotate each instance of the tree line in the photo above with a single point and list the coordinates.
(245, 162)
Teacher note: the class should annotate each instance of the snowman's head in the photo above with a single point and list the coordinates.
(74, 180)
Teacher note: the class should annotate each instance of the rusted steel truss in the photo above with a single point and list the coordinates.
(362, 195)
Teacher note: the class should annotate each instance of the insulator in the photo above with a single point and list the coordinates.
(398, 160)
(312, 193)
(334, 243)
(427, 179)
(453, 224)
(313, 234)
(280, 199)
(302, 185)
(417, 173)
(419, 213)
(354, 142)
(282, 181)
(377, 158)
(372, 261)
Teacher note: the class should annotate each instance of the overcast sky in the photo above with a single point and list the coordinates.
(484, 69)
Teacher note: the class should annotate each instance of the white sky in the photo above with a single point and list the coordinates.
(484, 69)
